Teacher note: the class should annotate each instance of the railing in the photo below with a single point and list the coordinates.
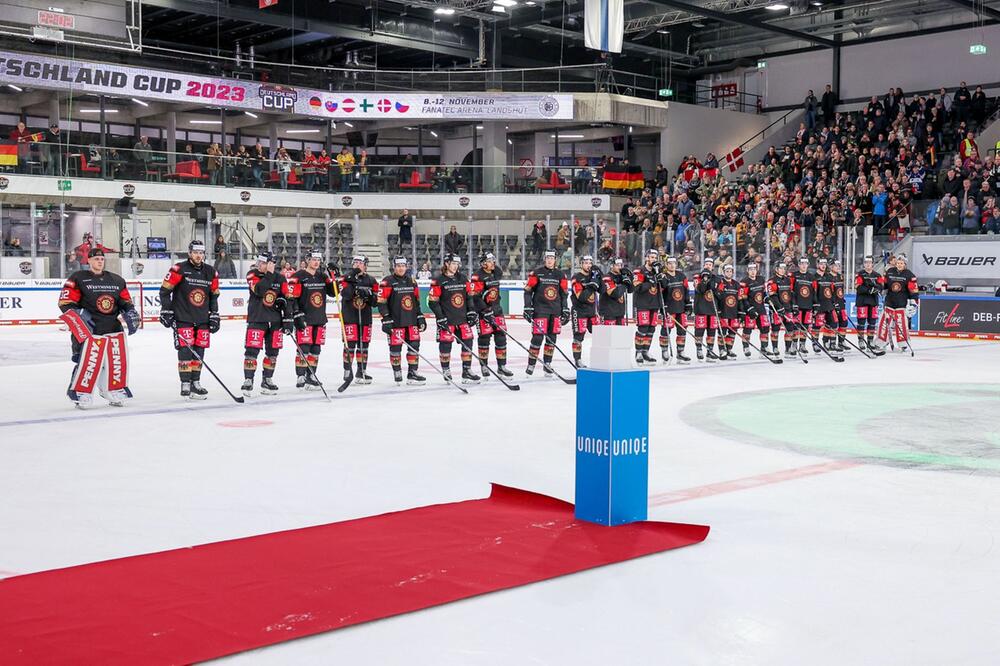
(718, 97)
(296, 170)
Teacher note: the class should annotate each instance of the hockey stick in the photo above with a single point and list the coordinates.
(663, 312)
(237, 398)
(836, 359)
(847, 339)
(343, 330)
(512, 387)
(718, 329)
(544, 364)
(775, 361)
(435, 368)
(746, 341)
(873, 350)
(783, 319)
(305, 360)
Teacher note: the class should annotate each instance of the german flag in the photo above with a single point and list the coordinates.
(618, 177)
(37, 137)
(8, 154)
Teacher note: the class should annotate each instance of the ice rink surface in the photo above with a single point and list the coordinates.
(855, 507)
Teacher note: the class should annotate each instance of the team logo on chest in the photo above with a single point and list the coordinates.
(758, 297)
(197, 297)
(105, 304)
(730, 301)
(492, 295)
(550, 293)
(316, 299)
(653, 291)
(677, 294)
(269, 298)
(840, 292)
(804, 291)
(457, 300)
(406, 302)
(895, 286)
(785, 297)
(827, 292)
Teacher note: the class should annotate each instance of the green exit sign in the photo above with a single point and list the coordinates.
(978, 49)
(761, 64)
(65, 185)
(666, 92)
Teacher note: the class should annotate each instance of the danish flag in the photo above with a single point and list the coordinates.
(384, 105)
(734, 160)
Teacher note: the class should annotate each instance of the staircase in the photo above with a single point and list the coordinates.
(376, 258)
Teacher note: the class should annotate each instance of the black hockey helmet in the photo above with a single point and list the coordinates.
(487, 256)
(265, 257)
(196, 246)
(452, 257)
(95, 252)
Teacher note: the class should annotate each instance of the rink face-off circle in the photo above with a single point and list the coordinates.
(950, 427)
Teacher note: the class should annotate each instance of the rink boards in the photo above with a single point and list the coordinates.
(32, 302)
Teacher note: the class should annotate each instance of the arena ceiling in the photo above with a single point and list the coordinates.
(674, 40)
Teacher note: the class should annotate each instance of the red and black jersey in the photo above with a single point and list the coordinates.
(399, 300)
(752, 294)
(826, 291)
(805, 289)
(868, 284)
(900, 286)
(267, 297)
(306, 293)
(191, 291)
(729, 298)
(104, 296)
(545, 290)
(612, 302)
(486, 291)
(704, 293)
(675, 292)
(584, 289)
(839, 298)
(780, 290)
(647, 289)
(358, 295)
(450, 298)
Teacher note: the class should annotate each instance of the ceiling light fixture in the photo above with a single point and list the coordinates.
(249, 113)
(444, 11)
(434, 134)
(139, 102)
(349, 124)
(506, 3)
(663, 32)
(509, 142)
(311, 131)
(498, 9)
(98, 111)
(206, 122)
(567, 136)
(13, 87)
(776, 7)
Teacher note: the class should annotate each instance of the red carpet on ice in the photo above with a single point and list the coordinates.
(192, 604)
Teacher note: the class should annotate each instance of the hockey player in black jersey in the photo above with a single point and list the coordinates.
(399, 307)
(584, 290)
(647, 300)
(269, 317)
(753, 310)
(868, 284)
(781, 298)
(676, 305)
(615, 285)
(901, 297)
(825, 316)
(306, 293)
(450, 299)
(729, 310)
(189, 304)
(804, 303)
(492, 324)
(706, 320)
(545, 293)
(358, 291)
(839, 304)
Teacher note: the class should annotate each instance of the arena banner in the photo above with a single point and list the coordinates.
(974, 260)
(960, 316)
(82, 76)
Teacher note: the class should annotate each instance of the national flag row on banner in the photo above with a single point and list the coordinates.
(623, 178)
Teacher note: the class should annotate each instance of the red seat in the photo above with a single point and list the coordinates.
(555, 184)
(293, 178)
(187, 171)
(415, 183)
(86, 168)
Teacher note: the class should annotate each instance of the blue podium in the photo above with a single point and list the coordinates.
(612, 436)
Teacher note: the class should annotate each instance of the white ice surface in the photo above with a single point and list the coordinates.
(867, 565)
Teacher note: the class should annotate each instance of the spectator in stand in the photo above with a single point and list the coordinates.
(12, 247)
(142, 154)
(363, 174)
(661, 177)
(284, 164)
(83, 249)
(711, 162)
(879, 208)
(258, 162)
(425, 271)
(992, 223)
(950, 214)
(967, 147)
(932, 216)
(405, 224)
(828, 104)
(978, 107)
(562, 237)
(225, 266)
(984, 194)
(52, 151)
(213, 163)
(345, 160)
(229, 170)
(189, 155)
(22, 137)
(453, 241)
(220, 245)
(286, 269)
(243, 165)
(309, 170)
(810, 105)
(323, 170)
(962, 104)
(970, 217)
(539, 241)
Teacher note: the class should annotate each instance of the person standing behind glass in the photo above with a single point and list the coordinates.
(309, 169)
(362, 165)
(346, 161)
(284, 167)
(142, 153)
(258, 162)
(214, 163)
